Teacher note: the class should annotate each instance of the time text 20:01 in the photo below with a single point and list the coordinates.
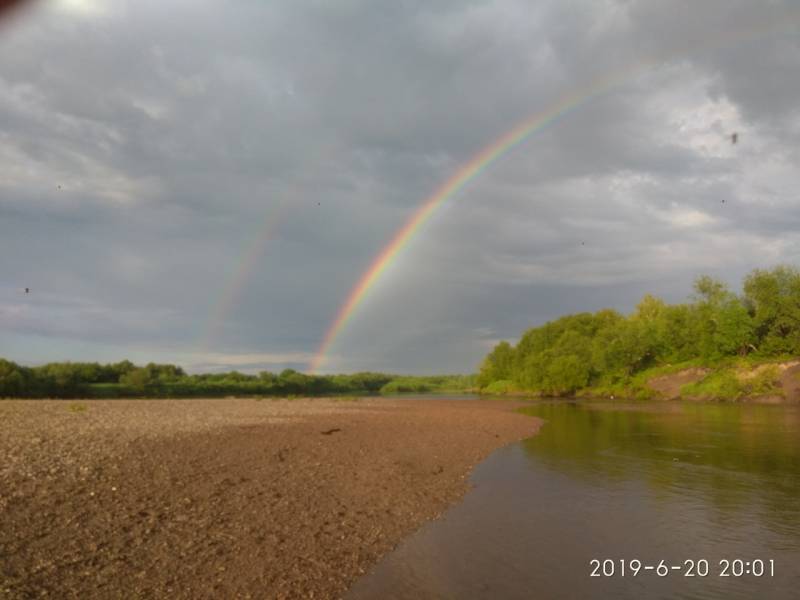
(725, 567)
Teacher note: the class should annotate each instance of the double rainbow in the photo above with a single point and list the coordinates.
(477, 164)
(498, 148)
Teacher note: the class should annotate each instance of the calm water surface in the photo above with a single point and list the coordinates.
(650, 482)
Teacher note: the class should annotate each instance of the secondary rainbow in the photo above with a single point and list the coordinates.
(237, 280)
(498, 148)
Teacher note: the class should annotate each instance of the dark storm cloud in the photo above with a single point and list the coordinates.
(148, 147)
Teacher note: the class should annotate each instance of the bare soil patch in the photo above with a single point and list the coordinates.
(232, 498)
(669, 386)
(789, 381)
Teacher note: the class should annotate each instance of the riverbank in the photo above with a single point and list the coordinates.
(227, 498)
(764, 381)
(743, 380)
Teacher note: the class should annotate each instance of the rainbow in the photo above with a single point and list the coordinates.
(497, 149)
(239, 277)
(476, 165)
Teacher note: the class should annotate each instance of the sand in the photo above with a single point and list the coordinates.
(232, 498)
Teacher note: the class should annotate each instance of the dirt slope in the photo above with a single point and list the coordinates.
(669, 386)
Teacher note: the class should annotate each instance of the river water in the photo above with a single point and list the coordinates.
(631, 484)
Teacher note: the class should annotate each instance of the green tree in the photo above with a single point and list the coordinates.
(498, 365)
(675, 328)
(140, 379)
(12, 380)
(773, 296)
(735, 330)
(567, 373)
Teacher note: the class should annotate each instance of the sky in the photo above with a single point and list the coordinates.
(204, 182)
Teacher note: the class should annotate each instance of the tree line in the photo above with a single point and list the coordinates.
(606, 348)
(125, 379)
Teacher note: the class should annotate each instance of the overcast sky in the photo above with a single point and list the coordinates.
(150, 149)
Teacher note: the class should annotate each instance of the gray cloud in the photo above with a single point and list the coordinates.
(151, 150)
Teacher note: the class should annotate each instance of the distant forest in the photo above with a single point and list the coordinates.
(606, 350)
(126, 380)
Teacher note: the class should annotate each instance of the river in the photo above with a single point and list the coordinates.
(644, 489)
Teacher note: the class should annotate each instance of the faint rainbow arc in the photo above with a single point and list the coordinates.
(237, 281)
(484, 158)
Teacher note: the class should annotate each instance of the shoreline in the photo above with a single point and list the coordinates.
(763, 382)
(631, 396)
(228, 498)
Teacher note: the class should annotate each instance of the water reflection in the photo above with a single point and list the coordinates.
(633, 481)
(728, 455)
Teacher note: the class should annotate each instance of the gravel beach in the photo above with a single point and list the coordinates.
(230, 498)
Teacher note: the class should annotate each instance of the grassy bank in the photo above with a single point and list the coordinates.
(736, 380)
(729, 380)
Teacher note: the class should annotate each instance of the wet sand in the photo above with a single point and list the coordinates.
(234, 498)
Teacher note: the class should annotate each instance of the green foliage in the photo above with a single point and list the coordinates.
(428, 384)
(12, 379)
(497, 365)
(502, 386)
(606, 352)
(719, 385)
(126, 380)
(567, 373)
(732, 382)
(735, 331)
(764, 381)
(774, 300)
(406, 385)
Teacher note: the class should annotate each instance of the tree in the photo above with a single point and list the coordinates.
(268, 377)
(773, 297)
(12, 379)
(117, 370)
(709, 290)
(566, 374)
(61, 379)
(139, 379)
(630, 348)
(720, 322)
(735, 330)
(498, 365)
(675, 328)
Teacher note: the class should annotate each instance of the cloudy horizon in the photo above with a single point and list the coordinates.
(203, 183)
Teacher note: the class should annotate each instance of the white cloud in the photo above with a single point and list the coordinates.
(198, 362)
(687, 217)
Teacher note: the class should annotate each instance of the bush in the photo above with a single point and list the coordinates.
(503, 386)
(719, 385)
(763, 382)
(406, 385)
